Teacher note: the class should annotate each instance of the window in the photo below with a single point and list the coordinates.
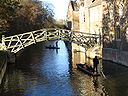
(69, 25)
(84, 17)
(111, 12)
(121, 9)
(117, 32)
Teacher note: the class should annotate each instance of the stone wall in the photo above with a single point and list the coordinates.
(3, 64)
(115, 31)
(115, 55)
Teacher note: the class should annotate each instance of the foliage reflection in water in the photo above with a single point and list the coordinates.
(42, 72)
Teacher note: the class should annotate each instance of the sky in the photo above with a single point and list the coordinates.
(60, 8)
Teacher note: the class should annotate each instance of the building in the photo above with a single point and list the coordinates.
(108, 18)
(91, 16)
(73, 16)
(95, 17)
(115, 31)
(85, 16)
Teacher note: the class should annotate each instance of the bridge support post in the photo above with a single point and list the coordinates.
(78, 55)
(11, 57)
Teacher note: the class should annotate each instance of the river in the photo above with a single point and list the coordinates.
(45, 72)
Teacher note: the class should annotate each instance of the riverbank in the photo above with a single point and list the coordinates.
(116, 56)
(3, 64)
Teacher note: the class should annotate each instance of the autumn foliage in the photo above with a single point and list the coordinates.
(19, 16)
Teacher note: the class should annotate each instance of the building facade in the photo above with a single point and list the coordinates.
(85, 16)
(95, 17)
(73, 16)
(108, 18)
(115, 31)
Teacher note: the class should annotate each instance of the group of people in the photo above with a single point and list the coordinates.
(95, 65)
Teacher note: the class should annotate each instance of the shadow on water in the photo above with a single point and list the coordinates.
(116, 82)
(47, 72)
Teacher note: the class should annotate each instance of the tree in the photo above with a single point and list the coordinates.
(25, 15)
(7, 13)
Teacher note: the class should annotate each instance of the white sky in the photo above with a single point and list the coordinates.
(60, 8)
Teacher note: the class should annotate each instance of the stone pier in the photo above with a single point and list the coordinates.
(3, 64)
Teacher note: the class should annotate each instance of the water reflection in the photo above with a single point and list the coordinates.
(43, 72)
(116, 82)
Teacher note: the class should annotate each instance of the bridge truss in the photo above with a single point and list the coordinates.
(17, 42)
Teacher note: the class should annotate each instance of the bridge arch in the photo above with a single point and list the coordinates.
(17, 42)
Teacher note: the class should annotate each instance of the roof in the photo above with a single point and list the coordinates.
(96, 3)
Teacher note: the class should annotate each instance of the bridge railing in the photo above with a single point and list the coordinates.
(17, 42)
(85, 40)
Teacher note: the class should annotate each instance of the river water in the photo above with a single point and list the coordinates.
(42, 72)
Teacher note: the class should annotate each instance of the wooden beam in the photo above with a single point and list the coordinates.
(20, 41)
(32, 34)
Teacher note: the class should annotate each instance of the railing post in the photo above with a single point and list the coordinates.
(47, 37)
(59, 33)
(45, 34)
(33, 37)
(70, 36)
(3, 43)
(64, 32)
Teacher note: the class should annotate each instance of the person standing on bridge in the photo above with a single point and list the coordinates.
(95, 64)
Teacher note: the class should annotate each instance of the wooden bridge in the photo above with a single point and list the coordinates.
(17, 42)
